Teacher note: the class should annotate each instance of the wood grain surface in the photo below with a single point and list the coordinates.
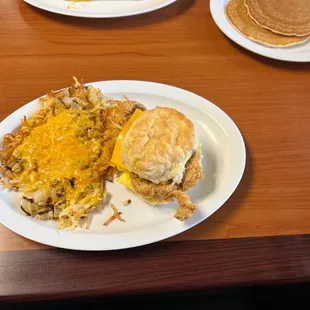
(182, 46)
(162, 267)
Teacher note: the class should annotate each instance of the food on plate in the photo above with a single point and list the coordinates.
(59, 158)
(237, 14)
(286, 17)
(116, 215)
(127, 202)
(261, 21)
(160, 156)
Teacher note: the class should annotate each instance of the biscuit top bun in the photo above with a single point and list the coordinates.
(158, 145)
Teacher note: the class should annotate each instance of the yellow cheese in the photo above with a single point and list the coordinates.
(125, 179)
(116, 156)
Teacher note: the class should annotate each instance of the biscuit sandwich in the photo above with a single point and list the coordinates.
(159, 155)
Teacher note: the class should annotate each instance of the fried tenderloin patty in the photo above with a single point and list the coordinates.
(168, 191)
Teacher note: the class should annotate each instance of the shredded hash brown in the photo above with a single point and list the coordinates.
(59, 158)
(116, 215)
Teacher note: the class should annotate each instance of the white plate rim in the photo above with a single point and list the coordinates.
(218, 15)
(97, 242)
(82, 14)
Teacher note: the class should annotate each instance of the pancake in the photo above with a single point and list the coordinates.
(286, 17)
(237, 15)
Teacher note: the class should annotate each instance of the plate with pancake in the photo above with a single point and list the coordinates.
(116, 164)
(99, 8)
(277, 29)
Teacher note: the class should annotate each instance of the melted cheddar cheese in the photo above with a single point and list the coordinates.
(63, 149)
(55, 149)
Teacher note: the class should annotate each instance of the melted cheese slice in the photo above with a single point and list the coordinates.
(116, 156)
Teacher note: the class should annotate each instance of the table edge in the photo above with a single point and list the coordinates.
(162, 267)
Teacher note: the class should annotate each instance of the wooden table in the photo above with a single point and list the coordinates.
(259, 235)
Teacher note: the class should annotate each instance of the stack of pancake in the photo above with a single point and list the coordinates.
(274, 23)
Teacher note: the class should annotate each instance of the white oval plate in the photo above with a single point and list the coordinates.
(100, 8)
(298, 53)
(224, 162)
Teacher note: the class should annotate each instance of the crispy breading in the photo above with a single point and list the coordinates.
(147, 188)
(166, 192)
(186, 207)
(193, 172)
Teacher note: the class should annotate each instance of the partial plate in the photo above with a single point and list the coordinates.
(100, 8)
(224, 162)
(298, 53)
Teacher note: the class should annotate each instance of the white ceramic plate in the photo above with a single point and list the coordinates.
(224, 162)
(100, 8)
(298, 53)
